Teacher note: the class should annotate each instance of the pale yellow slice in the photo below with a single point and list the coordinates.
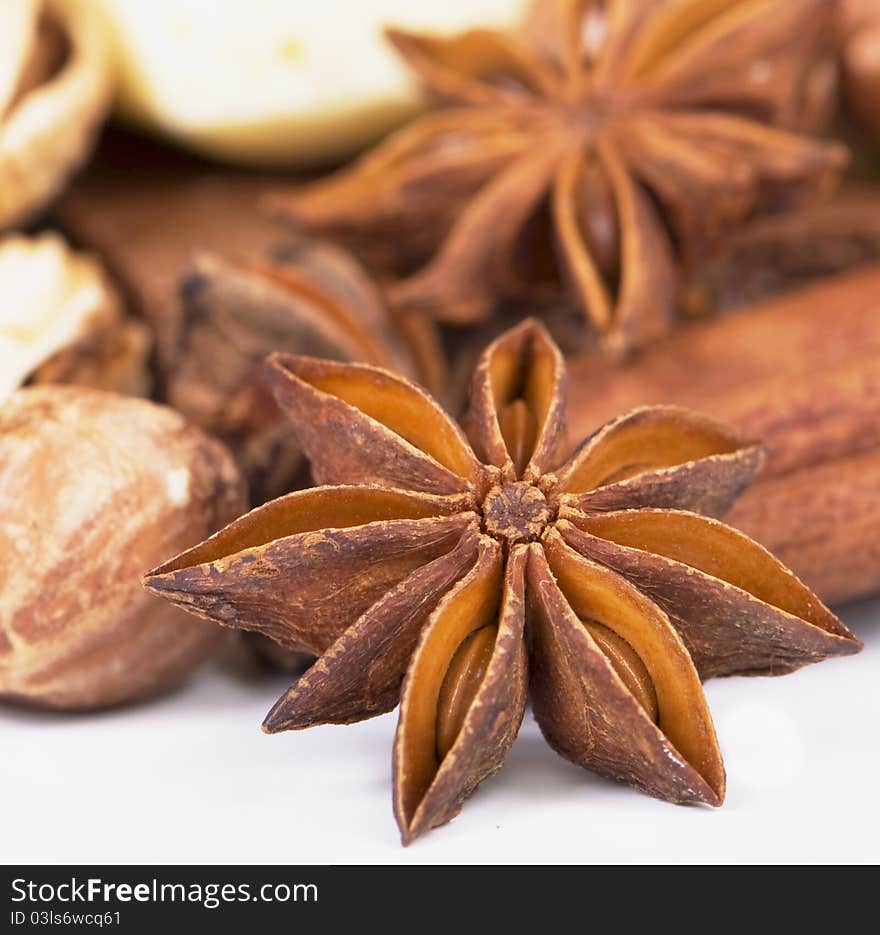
(274, 81)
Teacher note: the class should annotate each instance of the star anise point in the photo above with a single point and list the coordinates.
(459, 574)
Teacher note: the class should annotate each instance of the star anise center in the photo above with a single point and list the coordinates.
(586, 117)
(516, 512)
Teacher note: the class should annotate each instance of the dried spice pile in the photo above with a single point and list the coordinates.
(481, 570)
(651, 182)
(608, 147)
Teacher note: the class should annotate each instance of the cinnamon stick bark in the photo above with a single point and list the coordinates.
(802, 374)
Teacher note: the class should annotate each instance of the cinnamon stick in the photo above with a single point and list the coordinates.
(802, 374)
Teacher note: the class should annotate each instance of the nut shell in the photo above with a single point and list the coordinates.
(48, 126)
(61, 321)
(96, 488)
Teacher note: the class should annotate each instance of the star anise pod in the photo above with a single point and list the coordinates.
(778, 255)
(604, 146)
(306, 297)
(461, 576)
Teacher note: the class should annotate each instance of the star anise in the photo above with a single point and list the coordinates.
(461, 577)
(306, 297)
(605, 145)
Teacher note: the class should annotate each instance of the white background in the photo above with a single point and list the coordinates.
(190, 778)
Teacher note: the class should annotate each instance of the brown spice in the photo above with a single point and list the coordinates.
(823, 521)
(781, 253)
(223, 288)
(453, 572)
(802, 372)
(307, 298)
(605, 146)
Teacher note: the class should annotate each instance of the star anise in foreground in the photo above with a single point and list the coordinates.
(460, 574)
(604, 145)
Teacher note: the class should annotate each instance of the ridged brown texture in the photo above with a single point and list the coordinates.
(51, 105)
(363, 669)
(484, 574)
(706, 595)
(93, 488)
(706, 468)
(823, 521)
(801, 372)
(278, 569)
(346, 445)
(596, 152)
(428, 793)
(585, 712)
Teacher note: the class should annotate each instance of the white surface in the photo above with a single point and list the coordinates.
(191, 778)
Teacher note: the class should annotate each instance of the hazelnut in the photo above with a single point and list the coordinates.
(55, 89)
(95, 488)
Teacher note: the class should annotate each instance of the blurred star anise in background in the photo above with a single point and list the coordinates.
(598, 152)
